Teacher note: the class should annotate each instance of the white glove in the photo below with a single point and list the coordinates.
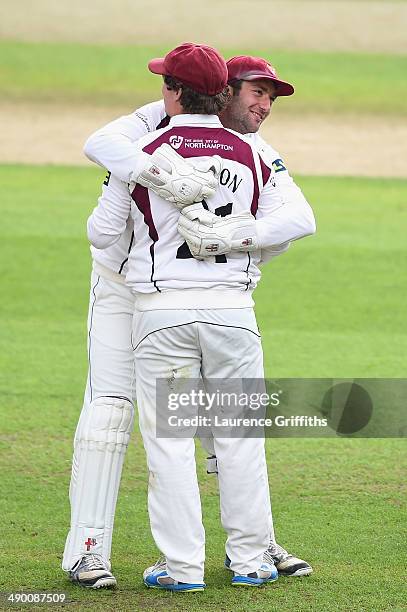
(175, 179)
(207, 234)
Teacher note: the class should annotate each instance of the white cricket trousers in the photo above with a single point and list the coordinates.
(111, 367)
(223, 343)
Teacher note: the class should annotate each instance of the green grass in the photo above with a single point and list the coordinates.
(333, 306)
(350, 282)
(112, 75)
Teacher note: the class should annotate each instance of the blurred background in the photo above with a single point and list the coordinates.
(333, 306)
(68, 67)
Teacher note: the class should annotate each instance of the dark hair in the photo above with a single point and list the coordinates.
(196, 103)
(236, 85)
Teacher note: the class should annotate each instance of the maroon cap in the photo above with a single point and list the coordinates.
(198, 66)
(248, 68)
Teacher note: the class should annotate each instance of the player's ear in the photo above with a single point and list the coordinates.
(230, 89)
(178, 94)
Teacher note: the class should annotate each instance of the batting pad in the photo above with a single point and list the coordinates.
(101, 440)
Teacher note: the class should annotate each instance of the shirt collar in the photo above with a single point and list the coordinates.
(186, 119)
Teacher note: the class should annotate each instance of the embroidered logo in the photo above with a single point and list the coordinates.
(90, 542)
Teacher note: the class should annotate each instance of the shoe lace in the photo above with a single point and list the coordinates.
(275, 553)
(160, 564)
(92, 562)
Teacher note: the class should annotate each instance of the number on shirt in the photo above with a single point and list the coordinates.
(183, 251)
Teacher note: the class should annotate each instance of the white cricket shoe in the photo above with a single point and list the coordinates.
(92, 572)
(286, 564)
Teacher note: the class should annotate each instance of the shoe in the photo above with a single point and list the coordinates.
(156, 577)
(266, 573)
(92, 572)
(286, 564)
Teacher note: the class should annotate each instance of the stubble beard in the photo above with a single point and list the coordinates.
(240, 119)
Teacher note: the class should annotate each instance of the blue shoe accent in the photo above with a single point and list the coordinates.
(266, 573)
(159, 579)
(247, 581)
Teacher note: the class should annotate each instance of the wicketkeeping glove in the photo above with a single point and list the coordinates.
(207, 234)
(175, 179)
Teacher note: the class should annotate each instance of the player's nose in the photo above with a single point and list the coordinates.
(265, 104)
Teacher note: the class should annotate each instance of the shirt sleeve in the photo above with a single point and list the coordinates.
(112, 146)
(272, 252)
(282, 215)
(108, 220)
(291, 194)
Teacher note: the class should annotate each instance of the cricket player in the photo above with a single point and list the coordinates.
(110, 388)
(194, 312)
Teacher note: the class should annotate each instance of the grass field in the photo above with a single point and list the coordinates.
(333, 306)
(77, 74)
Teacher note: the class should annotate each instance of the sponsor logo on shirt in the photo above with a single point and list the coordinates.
(278, 165)
(176, 141)
(199, 143)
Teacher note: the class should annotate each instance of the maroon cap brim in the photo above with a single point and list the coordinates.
(157, 65)
(283, 88)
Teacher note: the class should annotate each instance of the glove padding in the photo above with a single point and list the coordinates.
(207, 234)
(175, 179)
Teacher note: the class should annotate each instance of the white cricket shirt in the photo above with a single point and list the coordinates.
(112, 147)
(159, 260)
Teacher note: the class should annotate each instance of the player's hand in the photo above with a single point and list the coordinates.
(176, 179)
(207, 234)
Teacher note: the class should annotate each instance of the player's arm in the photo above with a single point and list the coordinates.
(270, 253)
(108, 220)
(112, 146)
(275, 224)
(164, 172)
(291, 194)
